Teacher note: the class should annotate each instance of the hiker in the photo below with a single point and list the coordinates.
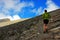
(46, 16)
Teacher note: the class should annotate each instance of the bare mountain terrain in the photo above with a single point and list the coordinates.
(6, 22)
(32, 29)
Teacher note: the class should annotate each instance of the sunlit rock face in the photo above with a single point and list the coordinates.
(4, 20)
(31, 29)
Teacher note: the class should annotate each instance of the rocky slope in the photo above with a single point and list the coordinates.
(32, 29)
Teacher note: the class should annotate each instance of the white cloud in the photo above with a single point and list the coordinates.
(31, 4)
(51, 5)
(37, 11)
(12, 4)
(2, 15)
(19, 7)
(34, 10)
(16, 17)
(8, 4)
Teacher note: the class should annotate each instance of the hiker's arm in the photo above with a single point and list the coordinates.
(42, 16)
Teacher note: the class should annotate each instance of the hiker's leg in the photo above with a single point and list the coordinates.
(44, 27)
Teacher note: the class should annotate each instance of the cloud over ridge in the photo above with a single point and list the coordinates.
(51, 5)
(15, 5)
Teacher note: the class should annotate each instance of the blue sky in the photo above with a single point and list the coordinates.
(19, 9)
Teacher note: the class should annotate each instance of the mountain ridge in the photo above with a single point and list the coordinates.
(31, 29)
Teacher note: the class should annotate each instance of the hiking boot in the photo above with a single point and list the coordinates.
(44, 32)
